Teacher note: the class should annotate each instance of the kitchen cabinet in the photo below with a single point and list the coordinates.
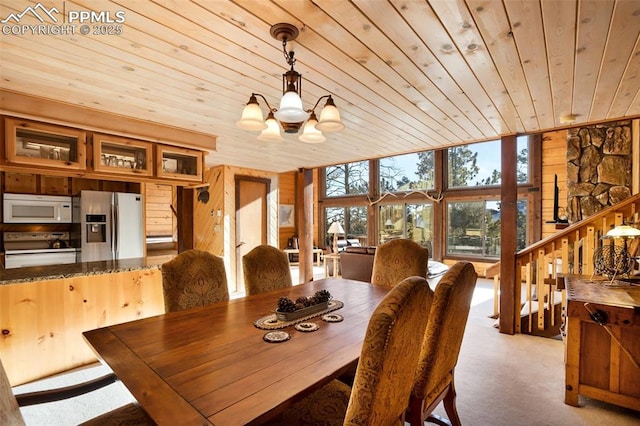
(44, 337)
(40, 148)
(39, 144)
(178, 163)
(112, 154)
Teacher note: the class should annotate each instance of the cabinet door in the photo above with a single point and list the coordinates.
(33, 143)
(179, 163)
(114, 154)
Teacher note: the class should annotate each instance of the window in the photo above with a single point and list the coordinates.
(353, 220)
(412, 221)
(347, 179)
(479, 164)
(407, 172)
(522, 159)
(474, 227)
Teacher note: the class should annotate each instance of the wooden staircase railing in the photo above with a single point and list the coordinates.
(568, 251)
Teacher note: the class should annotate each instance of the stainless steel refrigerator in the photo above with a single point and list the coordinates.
(111, 226)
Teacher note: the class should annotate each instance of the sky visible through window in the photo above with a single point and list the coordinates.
(488, 160)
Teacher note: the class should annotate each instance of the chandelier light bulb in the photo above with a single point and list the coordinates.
(330, 118)
(291, 108)
(310, 133)
(272, 132)
(252, 118)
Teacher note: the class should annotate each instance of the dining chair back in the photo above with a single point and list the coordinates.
(443, 338)
(10, 415)
(266, 268)
(193, 278)
(386, 367)
(398, 259)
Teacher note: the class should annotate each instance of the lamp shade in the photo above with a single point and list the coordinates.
(252, 118)
(623, 231)
(272, 132)
(335, 228)
(310, 134)
(290, 109)
(330, 118)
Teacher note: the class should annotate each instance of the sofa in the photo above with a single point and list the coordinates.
(356, 263)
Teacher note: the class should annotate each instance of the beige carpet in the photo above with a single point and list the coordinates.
(501, 380)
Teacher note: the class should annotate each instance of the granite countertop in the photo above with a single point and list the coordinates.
(51, 272)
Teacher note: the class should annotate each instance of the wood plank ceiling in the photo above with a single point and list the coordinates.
(406, 75)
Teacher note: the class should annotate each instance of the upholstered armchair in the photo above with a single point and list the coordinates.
(434, 378)
(265, 268)
(398, 259)
(129, 414)
(193, 278)
(386, 368)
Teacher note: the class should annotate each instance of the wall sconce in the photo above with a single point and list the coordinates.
(217, 214)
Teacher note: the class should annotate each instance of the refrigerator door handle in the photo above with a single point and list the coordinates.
(114, 228)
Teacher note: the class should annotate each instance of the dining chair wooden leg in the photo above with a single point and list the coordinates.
(418, 413)
(450, 405)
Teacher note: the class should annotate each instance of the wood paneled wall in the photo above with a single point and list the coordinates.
(287, 195)
(26, 183)
(222, 242)
(554, 162)
(160, 219)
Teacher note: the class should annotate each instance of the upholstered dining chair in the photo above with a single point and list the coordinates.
(10, 415)
(386, 367)
(398, 259)
(434, 378)
(193, 278)
(265, 268)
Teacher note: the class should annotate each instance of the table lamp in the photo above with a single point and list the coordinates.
(624, 232)
(335, 229)
(615, 259)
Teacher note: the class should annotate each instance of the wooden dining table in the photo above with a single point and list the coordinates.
(211, 365)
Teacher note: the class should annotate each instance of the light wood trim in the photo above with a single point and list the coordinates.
(99, 138)
(12, 126)
(161, 150)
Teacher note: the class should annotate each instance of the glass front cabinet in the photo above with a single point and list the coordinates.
(113, 154)
(33, 143)
(179, 163)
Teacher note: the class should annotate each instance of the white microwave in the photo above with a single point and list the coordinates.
(29, 208)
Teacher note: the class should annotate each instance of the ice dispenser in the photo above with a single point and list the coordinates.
(96, 228)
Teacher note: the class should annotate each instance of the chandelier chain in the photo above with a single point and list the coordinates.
(288, 56)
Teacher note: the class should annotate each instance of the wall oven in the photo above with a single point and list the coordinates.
(30, 208)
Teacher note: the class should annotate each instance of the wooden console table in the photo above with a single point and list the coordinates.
(317, 253)
(336, 264)
(596, 365)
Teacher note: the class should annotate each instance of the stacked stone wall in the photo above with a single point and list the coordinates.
(598, 168)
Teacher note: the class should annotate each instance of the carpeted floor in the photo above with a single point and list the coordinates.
(500, 379)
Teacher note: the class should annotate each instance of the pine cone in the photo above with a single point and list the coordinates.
(286, 305)
(322, 296)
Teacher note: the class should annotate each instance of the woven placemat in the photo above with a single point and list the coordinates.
(271, 321)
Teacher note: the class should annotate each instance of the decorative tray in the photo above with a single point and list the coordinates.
(302, 313)
(272, 322)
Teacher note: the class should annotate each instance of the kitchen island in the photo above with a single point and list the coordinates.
(45, 309)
